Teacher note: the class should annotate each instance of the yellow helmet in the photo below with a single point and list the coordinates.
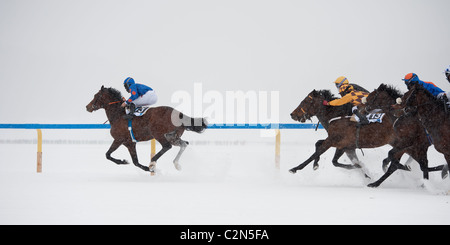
(341, 81)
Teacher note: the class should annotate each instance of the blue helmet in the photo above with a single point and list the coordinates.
(128, 82)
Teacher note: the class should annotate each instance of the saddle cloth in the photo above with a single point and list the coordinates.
(140, 111)
(375, 116)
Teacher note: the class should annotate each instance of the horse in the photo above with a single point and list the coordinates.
(410, 136)
(307, 109)
(432, 114)
(163, 123)
(343, 134)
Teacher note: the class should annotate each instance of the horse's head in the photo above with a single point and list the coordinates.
(406, 104)
(308, 107)
(381, 98)
(103, 98)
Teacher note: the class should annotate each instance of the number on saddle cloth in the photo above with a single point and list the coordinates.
(375, 116)
(139, 111)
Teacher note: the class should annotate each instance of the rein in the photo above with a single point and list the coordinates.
(115, 102)
(416, 106)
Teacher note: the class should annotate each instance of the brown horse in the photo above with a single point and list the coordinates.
(343, 134)
(305, 111)
(410, 136)
(164, 124)
(432, 114)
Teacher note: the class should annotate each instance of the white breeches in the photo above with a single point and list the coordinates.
(147, 99)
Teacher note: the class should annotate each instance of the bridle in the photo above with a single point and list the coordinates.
(96, 107)
(410, 108)
(306, 115)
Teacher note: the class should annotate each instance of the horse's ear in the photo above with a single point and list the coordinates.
(103, 87)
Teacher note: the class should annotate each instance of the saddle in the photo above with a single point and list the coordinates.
(375, 116)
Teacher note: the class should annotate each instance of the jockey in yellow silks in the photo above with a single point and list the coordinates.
(349, 95)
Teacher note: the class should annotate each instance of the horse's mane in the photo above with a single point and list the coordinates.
(433, 99)
(345, 109)
(115, 94)
(392, 91)
(327, 94)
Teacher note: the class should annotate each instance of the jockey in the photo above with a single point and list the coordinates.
(447, 74)
(141, 95)
(349, 95)
(340, 81)
(412, 79)
(344, 81)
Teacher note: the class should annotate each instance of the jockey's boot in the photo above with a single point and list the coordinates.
(362, 118)
(130, 115)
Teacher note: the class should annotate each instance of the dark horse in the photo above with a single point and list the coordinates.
(164, 124)
(432, 114)
(410, 136)
(343, 134)
(305, 111)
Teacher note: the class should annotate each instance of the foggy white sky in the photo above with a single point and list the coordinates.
(56, 54)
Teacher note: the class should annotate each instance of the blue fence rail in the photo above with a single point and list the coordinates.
(213, 126)
(276, 126)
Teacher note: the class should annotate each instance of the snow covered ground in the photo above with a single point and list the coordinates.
(228, 177)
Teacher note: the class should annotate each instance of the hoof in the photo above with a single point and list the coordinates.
(315, 167)
(373, 185)
(177, 166)
(292, 171)
(444, 173)
(152, 168)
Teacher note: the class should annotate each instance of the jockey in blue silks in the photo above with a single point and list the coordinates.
(141, 95)
(447, 74)
(412, 79)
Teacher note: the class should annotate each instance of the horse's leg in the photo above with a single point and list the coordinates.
(385, 164)
(174, 139)
(113, 148)
(395, 154)
(423, 163)
(132, 149)
(351, 154)
(395, 164)
(165, 147)
(445, 168)
(316, 161)
(444, 173)
(182, 144)
(319, 151)
(392, 168)
(337, 155)
(408, 162)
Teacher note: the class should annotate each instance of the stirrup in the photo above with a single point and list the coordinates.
(129, 116)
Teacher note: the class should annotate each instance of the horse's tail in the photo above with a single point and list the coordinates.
(197, 125)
